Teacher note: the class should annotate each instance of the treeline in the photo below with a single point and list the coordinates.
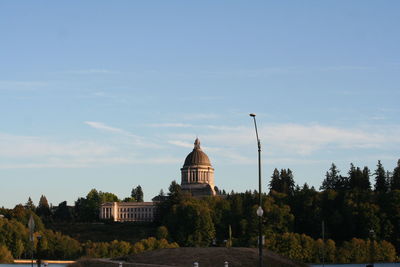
(15, 241)
(350, 206)
(356, 213)
(361, 218)
(85, 209)
(232, 221)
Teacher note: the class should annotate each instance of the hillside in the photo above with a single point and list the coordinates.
(210, 257)
(105, 232)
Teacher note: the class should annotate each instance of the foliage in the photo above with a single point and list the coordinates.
(43, 208)
(121, 248)
(137, 193)
(381, 182)
(162, 232)
(88, 209)
(190, 223)
(395, 180)
(292, 220)
(282, 182)
(29, 205)
(5, 255)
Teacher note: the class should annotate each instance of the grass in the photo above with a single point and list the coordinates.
(206, 257)
(105, 232)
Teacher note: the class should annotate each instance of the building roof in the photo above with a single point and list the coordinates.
(197, 156)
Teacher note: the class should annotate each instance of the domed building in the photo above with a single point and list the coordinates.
(197, 173)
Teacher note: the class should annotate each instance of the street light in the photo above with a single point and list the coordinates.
(259, 210)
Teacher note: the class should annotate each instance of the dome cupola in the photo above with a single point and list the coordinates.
(197, 156)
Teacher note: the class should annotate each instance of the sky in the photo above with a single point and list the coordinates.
(112, 94)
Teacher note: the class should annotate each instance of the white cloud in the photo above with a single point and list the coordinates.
(21, 152)
(171, 125)
(304, 139)
(180, 143)
(27, 146)
(88, 162)
(289, 140)
(102, 126)
(135, 139)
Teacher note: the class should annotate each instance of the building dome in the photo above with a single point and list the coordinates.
(197, 174)
(197, 156)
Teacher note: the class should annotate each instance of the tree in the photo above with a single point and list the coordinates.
(190, 223)
(381, 183)
(175, 192)
(16, 246)
(275, 183)
(282, 182)
(365, 183)
(43, 209)
(88, 209)
(331, 178)
(137, 193)
(5, 255)
(359, 180)
(29, 205)
(63, 212)
(395, 182)
(287, 182)
(162, 232)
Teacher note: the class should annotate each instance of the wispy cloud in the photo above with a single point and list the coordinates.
(136, 139)
(107, 128)
(21, 152)
(283, 70)
(180, 143)
(13, 146)
(305, 139)
(200, 116)
(90, 71)
(291, 141)
(171, 125)
(21, 85)
(88, 162)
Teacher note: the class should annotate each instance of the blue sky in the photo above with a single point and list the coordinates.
(110, 95)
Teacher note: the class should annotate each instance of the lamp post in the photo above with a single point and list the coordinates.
(259, 210)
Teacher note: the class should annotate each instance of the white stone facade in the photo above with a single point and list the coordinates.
(128, 211)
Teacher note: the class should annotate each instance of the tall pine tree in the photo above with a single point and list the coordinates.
(395, 181)
(43, 209)
(381, 183)
(137, 193)
(331, 178)
(275, 183)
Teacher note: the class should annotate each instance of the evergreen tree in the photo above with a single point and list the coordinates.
(43, 209)
(287, 182)
(137, 193)
(365, 182)
(331, 178)
(343, 183)
(275, 183)
(353, 177)
(29, 205)
(395, 181)
(359, 180)
(381, 183)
